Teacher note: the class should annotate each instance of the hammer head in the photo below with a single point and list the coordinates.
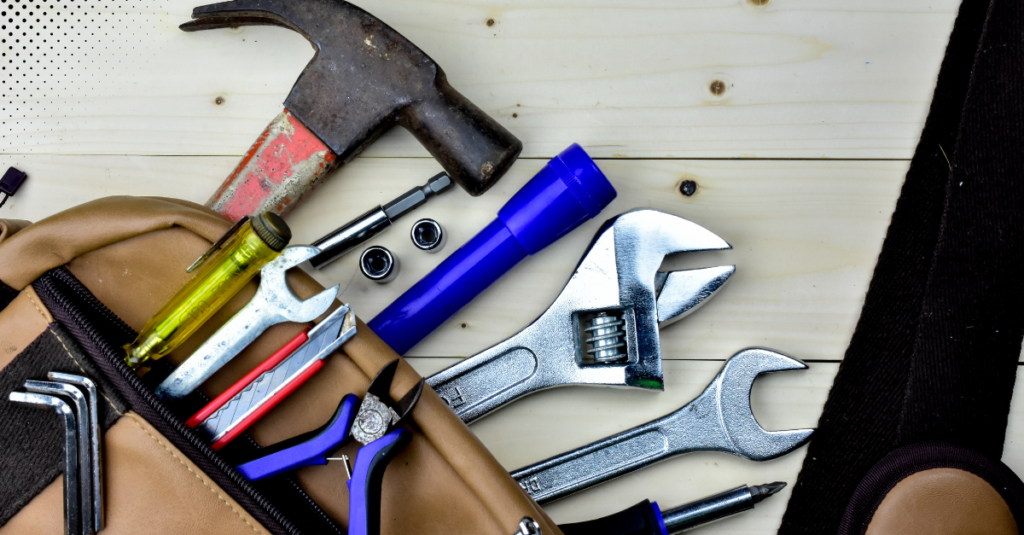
(366, 77)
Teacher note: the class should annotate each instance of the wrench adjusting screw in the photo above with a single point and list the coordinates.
(428, 235)
(378, 264)
(606, 338)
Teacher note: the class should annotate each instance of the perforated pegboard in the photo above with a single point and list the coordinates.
(57, 53)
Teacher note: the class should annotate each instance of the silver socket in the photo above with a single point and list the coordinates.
(428, 235)
(378, 264)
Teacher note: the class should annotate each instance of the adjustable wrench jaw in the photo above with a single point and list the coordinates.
(602, 328)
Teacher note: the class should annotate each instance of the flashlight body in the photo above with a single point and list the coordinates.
(567, 192)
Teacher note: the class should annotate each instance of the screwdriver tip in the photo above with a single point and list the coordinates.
(760, 492)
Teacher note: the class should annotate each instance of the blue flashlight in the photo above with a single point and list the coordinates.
(567, 192)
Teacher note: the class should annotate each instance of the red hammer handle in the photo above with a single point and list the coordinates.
(286, 163)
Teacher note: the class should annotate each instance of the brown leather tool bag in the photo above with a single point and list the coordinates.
(77, 286)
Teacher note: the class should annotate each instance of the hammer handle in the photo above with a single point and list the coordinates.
(285, 164)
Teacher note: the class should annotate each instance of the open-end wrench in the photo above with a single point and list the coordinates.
(720, 419)
(72, 506)
(603, 328)
(273, 303)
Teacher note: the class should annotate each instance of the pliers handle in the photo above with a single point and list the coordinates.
(307, 449)
(364, 489)
(374, 424)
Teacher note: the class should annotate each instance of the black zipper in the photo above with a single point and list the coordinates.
(102, 333)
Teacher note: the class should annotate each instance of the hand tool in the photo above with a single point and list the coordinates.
(647, 518)
(375, 425)
(273, 303)
(603, 328)
(428, 235)
(10, 183)
(528, 526)
(223, 270)
(378, 264)
(377, 220)
(72, 512)
(240, 406)
(364, 78)
(83, 433)
(567, 192)
(307, 449)
(720, 419)
(88, 387)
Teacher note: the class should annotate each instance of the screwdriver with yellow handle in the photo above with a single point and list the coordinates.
(222, 272)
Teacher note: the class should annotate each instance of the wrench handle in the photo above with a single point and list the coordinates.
(219, 349)
(596, 463)
(486, 381)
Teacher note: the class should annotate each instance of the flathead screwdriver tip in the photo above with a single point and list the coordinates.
(760, 492)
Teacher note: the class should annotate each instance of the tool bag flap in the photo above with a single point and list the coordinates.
(131, 253)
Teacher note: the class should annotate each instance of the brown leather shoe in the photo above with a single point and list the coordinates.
(935, 489)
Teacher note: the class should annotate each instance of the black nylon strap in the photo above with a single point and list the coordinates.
(935, 352)
(33, 439)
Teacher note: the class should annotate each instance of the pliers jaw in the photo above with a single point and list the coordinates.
(376, 416)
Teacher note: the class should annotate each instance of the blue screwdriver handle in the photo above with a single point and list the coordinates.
(367, 478)
(307, 449)
(643, 518)
(567, 192)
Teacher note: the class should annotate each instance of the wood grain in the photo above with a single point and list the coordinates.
(805, 235)
(801, 79)
(134, 106)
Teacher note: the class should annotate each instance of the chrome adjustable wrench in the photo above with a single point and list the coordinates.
(603, 328)
(720, 419)
(274, 303)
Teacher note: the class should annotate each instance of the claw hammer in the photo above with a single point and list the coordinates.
(364, 78)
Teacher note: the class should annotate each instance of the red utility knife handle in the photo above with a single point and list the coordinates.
(270, 403)
(268, 364)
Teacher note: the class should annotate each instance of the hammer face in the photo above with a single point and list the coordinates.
(365, 78)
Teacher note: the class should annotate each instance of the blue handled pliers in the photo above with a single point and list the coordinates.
(374, 425)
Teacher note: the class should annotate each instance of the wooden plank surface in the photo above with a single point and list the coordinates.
(802, 79)
(125, 103)
(805, 237)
